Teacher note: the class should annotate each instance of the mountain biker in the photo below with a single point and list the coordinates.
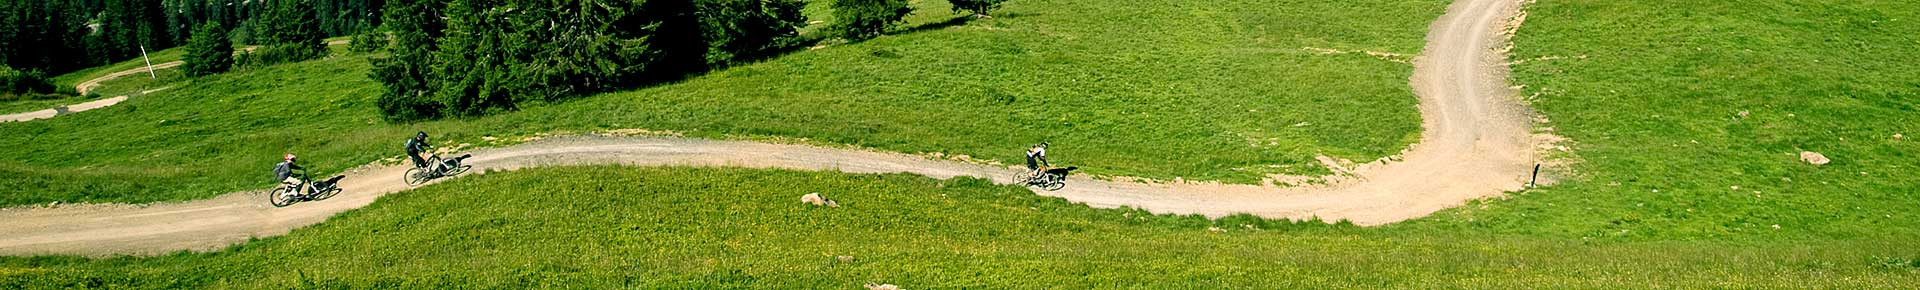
(1037, 158)
(416, 146)
(284, 172)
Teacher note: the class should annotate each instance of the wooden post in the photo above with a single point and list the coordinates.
(143, 56)
(1535, 182)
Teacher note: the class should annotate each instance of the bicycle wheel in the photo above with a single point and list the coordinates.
(458, 170)
(415, 176)
(1022, 177)
(1055, 185)
(330, 192)
(279, 197)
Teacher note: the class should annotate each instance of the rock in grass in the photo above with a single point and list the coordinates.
(818, 200)
(844, 259)
(1814, 158)
(813, 198)
(1896, 136)
(872, 286)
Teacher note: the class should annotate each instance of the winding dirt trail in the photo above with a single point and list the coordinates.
(1477, 143)
(87, 86)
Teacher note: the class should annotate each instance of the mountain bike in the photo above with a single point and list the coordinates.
(288, 194)
(1050, 179)
(438, 169)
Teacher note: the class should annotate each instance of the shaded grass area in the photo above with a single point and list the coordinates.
(598, 227)
(1159, 89)
(1688, 121)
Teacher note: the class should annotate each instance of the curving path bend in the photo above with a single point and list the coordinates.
(1477, 143)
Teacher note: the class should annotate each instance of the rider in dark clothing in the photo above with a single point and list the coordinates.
(284, 172)
(416, 146)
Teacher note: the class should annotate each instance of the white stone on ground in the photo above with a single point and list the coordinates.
(1814, 158)
(818, 200)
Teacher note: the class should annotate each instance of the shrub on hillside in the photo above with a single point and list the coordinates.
(278, 54)
(406, 72)
(30, 84)
(290, 32)
(533, 51)
(209, 51)
(978, 7)
(865, 19)
(371, 41)
(24, 82)
(749, 30)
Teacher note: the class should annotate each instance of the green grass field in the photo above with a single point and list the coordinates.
(134, 84)
(1158, 89)
(157, 57)
(23, 106)
(1672, 185)
(599, 227)
(1654, 109)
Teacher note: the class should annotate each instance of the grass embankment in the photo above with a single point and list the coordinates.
(1159, 89)
(1655, 107)
(134, 84)
(158, 57)
(23, 106)
(128, 85)
(599, 227)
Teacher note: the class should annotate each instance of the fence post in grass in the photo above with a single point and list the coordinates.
(1531, 183)
(143, 56)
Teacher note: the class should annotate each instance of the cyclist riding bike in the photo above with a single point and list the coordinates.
(1037, 158)
(419, 145)
(284, 171)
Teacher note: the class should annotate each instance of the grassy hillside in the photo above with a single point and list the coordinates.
(1688, 121)
(23, 106)
(157, 57)
(1223, 91)
(599, 227)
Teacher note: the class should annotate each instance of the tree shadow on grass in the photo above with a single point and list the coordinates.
(956, 21)
(810, 42)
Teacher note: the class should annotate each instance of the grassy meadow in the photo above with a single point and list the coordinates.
(1686, 119)
(1161, 89)
(158, 57)
(23, 106)
(1688, 123)
(599, 227)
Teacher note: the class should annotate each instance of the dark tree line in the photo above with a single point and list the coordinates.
(491, 55)
(48, 36)
(473, 57)
(59, 36)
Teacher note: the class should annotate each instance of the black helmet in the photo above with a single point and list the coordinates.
(1043, 144)
(422, 135)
